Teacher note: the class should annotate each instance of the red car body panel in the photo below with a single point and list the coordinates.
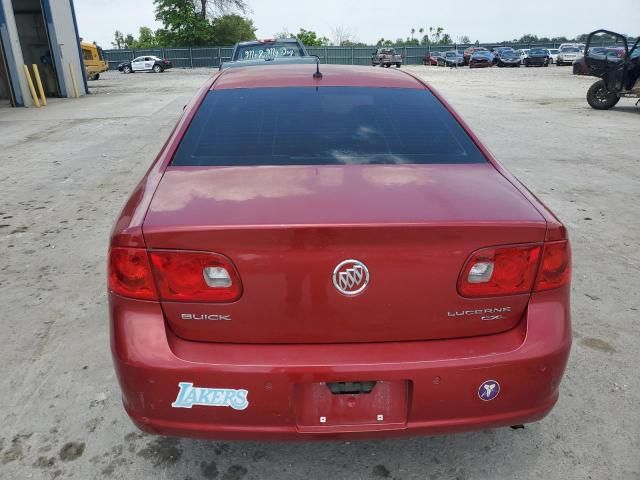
(299, 219)
(294, 222)
(442, 377)
(333, 76)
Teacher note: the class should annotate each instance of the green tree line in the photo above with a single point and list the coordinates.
(192, 23)
(221, 22)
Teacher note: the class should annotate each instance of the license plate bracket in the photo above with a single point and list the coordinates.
(318, 409)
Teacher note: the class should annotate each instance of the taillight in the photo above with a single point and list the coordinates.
(555, 268)
(130, 273)
(498, 271)
(195, 277)
(516, 269)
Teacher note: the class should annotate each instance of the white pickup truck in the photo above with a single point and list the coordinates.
(386, 57)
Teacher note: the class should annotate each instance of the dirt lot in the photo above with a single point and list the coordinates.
(66, 171)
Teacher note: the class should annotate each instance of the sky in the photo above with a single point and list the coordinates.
(368, 21)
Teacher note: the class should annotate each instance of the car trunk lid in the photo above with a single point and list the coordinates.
(287, 228)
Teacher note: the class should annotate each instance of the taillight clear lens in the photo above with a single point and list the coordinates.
(498, 271)
(555, 268)
(130, 275)
(195, 277)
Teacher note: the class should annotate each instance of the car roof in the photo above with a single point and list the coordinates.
(267, 41)
(302, 76)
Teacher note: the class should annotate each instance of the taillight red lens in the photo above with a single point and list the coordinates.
(130, 274)
(555, 268)
(195, 277)
(498, 271)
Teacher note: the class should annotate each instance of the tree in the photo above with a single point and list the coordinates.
(118, 40)
(231, 29)
(340, 34)
(146, 39)
(284, 34)
(311, 39)
(413, 32)
(446, 39)
(464, 39)
(211, 9)
(348, 43)
(129, 41)
(528, 38)
(183, 24)
(435, 37)
(198, 22)
(384, 43)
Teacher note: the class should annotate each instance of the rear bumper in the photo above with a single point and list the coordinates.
(442, 377)
(536, 61)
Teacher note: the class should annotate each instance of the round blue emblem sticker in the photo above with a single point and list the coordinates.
(489, 390)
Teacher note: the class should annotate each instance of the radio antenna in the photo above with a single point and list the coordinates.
(318, 74)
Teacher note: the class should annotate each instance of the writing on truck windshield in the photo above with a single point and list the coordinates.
(256, 52)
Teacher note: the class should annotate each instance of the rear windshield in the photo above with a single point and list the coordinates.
(324, 126)
(268, 50)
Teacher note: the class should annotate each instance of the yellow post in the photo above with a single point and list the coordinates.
(36, 73)
(73, 79)
(33, 90)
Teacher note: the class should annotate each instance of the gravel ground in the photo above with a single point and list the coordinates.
(66, 171)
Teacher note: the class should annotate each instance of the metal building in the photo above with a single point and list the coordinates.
(44, 33)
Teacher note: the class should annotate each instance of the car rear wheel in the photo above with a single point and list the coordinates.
(398, 65)
(157, 69)
(600, 98)
(126, 69)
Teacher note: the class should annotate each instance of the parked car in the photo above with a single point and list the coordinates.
(508, 58)
(386, 57)
(537, 57)
(579, 46)
(568, 55)
(272, 51)
(470, 51)
(611, 55)
(431, 58)
(145, 64)
(481, 59)
(523, 54)
(497, 51)
(553, 55)
(295, 265)
(451, 59)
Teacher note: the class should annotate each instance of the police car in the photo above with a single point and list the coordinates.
(145, 64)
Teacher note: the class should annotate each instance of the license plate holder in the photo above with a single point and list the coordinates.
(320, 410)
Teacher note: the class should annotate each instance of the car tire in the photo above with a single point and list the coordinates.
(157, 69)
(600, 98)
(126, 69)
(398, 65)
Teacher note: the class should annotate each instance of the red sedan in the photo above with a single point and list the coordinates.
(333, 256)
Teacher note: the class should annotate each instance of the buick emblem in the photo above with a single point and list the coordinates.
(351, 277)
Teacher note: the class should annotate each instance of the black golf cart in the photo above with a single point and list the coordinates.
(618, 69)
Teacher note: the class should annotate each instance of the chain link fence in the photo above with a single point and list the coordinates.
(212, 57)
